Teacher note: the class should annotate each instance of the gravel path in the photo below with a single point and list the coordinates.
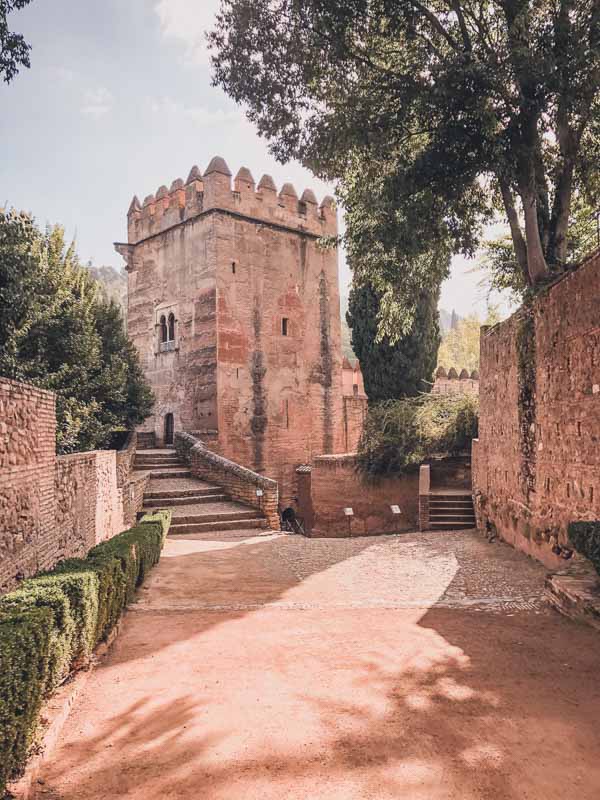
(272, 667)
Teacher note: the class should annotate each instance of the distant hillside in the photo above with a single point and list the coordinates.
(114, 283)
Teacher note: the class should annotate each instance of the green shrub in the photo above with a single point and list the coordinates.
(400, 434)
(52, 622)
(24, 653)
(585, 538)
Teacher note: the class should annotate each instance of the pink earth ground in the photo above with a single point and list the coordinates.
(422, 666)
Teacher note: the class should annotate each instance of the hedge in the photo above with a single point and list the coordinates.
(585, 538)
(51, 624)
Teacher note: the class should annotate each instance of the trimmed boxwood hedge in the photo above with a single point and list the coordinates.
(585, 538)
(51, 624)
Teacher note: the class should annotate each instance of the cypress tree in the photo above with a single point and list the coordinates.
(404, 369)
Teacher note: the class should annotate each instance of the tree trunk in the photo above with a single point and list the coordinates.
(515, 227)
(536, 262)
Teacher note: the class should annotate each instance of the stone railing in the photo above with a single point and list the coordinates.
(238, 482)
(424, 490)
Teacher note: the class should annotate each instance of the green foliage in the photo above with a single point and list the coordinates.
(402, 369)
(585, 538)
(431, 117)
(399, 435)
(51, 624)
(14, 50)
(59, 332)
(460, 344)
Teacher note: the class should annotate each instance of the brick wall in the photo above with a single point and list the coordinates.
(54, 507)
(536, 465)
(335, 485)
(27, 442)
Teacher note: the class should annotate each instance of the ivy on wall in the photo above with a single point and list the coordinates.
(526, 366)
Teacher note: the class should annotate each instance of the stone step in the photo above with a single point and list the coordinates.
(185, 494)
(216, 516)
(451, 505)
(222, 525)
(450, 517)
(173, 500)
(450, 498)
(169, 473)
(157, 462)
(451, 526)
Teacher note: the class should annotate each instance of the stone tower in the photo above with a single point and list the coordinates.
(234, 309)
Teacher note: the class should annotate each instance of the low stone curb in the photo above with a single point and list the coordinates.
(54, 714)
(575, 593)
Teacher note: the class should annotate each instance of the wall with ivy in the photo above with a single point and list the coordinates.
(536, 464)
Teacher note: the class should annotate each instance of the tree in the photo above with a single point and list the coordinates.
(58, 332)
(402, 369)
(14, 50)
(478, 105)
(498, 261)
(460, 345)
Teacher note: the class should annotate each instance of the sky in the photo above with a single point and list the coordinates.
(118, 101)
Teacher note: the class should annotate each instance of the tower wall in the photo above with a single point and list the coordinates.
(257, 352)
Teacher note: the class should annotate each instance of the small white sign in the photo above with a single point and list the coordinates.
(259, 492)
(349, 512)
(395, 509)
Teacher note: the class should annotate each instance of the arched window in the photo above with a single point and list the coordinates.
(171, 327)
(163, 329)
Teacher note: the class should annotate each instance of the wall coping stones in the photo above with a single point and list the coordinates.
(200, 449)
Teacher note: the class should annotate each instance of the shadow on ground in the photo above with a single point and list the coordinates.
(232, 684)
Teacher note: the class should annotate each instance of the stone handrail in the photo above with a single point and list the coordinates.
(239, 482)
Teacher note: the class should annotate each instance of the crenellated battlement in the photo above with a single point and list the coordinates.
(214, 190)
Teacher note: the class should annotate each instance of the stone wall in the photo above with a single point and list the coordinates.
(27, 461)
(536, 465)
(54, 507)
(335, 485)
(88, 504)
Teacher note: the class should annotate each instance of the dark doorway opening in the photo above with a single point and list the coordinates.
(169, 429)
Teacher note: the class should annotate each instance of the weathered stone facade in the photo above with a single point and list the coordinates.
(536, 465)
(54, 507)
(253, 356)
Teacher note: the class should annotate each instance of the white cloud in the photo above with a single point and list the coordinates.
(201, 116)
(97, 102)
(188, 21)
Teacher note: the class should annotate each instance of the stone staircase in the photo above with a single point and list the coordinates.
(196, 506)
(450, 510)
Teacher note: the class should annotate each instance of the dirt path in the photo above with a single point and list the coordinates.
(420, 666)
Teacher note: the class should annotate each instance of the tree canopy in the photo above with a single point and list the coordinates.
(404, 368)
(58, 331)
(431, 114)
(14, 50)
(460, 345)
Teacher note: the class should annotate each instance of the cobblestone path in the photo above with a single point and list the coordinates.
(419, 666)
